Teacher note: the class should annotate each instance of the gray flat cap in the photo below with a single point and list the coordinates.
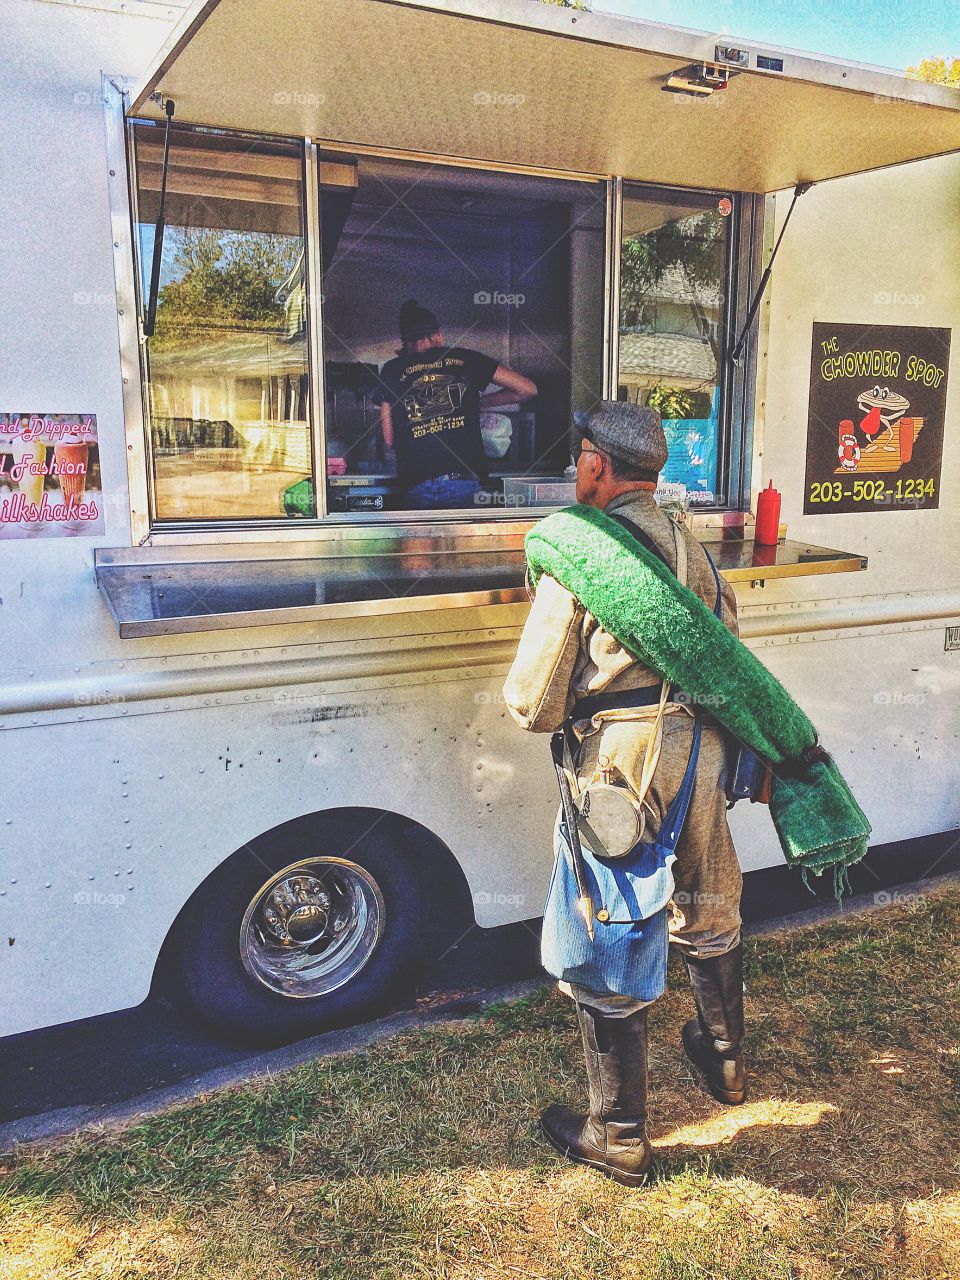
(631, 432)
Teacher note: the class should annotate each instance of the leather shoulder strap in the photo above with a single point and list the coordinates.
(641, 536)
(681, 546)
(718, 606)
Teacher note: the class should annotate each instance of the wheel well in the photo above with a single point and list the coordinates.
(435, 860)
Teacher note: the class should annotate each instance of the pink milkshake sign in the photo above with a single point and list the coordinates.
(49, 476)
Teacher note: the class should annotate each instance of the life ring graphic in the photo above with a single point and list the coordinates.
(848, 452)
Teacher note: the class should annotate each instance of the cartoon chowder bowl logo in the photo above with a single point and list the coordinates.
(883, 409)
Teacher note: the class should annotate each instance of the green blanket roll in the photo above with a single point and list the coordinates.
(635, 597)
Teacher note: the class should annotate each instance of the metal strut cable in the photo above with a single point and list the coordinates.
(800, 189)
(151, 316)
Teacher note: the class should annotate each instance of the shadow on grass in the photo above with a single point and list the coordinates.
(852, 1118)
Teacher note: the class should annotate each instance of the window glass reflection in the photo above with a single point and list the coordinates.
(672, 297)
(227, 382)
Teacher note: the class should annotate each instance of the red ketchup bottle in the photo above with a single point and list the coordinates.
(767, 527)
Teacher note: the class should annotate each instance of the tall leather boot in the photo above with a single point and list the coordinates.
(713, 1041)
(613, 1136)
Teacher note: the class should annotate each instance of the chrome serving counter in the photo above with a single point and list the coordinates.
(158, 590)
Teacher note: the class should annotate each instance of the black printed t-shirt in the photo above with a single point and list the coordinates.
(434, 397)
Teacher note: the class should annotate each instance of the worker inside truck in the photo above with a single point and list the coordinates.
(430, 411)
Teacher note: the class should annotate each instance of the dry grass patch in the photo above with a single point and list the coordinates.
(421, 1156)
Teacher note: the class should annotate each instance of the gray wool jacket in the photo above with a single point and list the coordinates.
(565, 654)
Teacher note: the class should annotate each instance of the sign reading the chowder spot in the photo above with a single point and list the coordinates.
(875, 428)
(49, 475)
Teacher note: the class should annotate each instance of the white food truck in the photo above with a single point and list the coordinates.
(255, 747)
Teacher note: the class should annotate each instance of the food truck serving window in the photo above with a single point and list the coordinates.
(462, 325)
(674, 255)
(461, 313)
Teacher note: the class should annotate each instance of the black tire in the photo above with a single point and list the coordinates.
(205, 964)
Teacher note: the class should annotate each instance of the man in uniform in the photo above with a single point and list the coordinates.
(567, 665)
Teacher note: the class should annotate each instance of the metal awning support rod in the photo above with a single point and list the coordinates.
(151, 317)
(800, 189)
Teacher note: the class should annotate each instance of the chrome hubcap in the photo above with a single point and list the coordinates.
(312, 927)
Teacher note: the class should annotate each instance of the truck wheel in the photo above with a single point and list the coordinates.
(318, 925)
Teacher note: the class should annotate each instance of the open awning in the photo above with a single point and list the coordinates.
(515, 82)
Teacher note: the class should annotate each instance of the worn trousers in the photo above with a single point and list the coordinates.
(705, 910)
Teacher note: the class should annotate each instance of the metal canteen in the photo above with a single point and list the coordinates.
(612, 818)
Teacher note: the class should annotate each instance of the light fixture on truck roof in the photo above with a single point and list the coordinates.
(731, 56)
(700, 79)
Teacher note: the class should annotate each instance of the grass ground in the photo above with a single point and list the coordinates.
(421, 1157)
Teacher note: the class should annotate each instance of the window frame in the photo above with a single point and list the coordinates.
(462, 516)
(740, 271)
(738, 383)
(166, 524)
